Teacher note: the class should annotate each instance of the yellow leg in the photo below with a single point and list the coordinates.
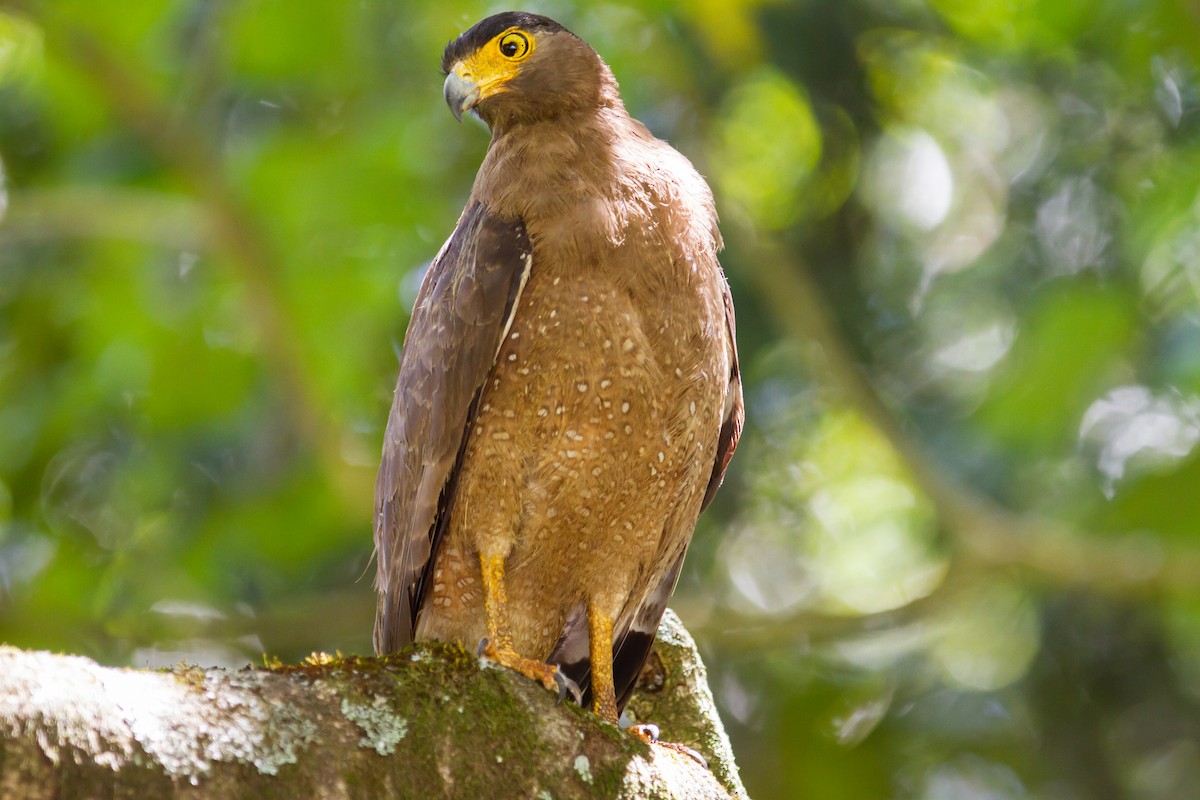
(500, 642)
(600, 633)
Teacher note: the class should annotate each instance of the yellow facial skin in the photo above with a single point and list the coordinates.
(487, 71)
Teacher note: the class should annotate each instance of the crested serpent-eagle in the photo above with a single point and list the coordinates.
(569, 396)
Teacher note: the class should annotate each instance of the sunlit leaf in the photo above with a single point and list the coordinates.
(988, 639)
(20, 49)
(767, 147)
(1074, 337)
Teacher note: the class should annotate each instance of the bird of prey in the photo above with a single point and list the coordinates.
(569, 396)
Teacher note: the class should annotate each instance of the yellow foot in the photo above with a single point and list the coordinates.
(648, 733)
(540, 671)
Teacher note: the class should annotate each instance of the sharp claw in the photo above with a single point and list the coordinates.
(690, 753)
(561, 680)
(567, 686)
(483, 643)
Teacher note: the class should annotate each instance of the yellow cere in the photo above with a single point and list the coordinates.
(497, 62)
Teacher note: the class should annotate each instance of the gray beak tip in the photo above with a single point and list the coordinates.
(461, 94)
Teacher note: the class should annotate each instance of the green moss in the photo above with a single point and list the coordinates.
(505, 721)
(191, 676)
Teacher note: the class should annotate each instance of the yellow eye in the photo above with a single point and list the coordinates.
(514, 45)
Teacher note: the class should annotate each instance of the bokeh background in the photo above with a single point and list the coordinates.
(957, 554)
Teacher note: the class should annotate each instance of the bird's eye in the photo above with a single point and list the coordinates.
(514, 45)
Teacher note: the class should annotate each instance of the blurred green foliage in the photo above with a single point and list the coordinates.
(957, 553)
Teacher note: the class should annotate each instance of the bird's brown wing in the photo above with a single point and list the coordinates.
(632, 645)
(463, 311)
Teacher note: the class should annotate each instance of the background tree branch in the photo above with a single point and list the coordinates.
(979, 532)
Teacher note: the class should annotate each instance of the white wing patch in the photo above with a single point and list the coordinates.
(526, 267)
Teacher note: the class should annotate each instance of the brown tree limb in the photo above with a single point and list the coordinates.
(428, 722)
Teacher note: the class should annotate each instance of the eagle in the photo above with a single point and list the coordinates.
(569, 395)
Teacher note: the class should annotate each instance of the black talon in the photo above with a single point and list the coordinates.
(483, 643)
(690, 753)
(565, 686)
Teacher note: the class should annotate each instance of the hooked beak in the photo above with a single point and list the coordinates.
(462, 94)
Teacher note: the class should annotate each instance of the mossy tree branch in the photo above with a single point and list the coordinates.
(429, 722)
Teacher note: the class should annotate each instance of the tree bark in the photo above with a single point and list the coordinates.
(431, 721)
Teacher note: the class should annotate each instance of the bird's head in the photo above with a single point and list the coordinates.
(517, 66)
